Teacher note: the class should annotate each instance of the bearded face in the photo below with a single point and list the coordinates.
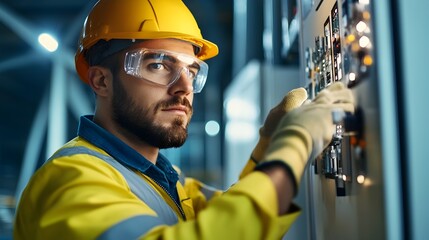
(146, 124)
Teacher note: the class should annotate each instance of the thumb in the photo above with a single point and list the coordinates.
(294, 99)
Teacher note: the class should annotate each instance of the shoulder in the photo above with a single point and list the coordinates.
(77, 160)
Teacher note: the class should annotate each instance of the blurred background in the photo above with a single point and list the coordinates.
(266, 49)
(42, 96)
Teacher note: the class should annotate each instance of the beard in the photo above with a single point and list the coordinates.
(141, 123)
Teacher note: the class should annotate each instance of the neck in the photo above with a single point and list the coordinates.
(146, 150)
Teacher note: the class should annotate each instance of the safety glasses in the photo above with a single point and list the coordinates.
(164, 68)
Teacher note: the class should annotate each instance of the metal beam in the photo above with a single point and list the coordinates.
(24, 59)
(24, 29)
(57, 108)
(33, 146)
(56, 114)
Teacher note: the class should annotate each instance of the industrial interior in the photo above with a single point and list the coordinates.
(369, 183)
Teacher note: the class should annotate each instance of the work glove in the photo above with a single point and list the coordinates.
(292, 100)
(304, 132)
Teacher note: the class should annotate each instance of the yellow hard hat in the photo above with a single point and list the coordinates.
(140, 19)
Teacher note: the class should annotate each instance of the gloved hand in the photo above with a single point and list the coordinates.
(292, 100)
(304, 132)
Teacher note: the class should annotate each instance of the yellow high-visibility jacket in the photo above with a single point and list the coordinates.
(84, 193)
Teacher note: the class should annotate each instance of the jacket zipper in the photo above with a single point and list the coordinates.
(177, 205)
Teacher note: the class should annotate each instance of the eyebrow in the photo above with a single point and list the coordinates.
(155, 55)
(172, 59)
(194, 65)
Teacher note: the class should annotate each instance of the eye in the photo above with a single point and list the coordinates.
(156, 66)
(192, 73)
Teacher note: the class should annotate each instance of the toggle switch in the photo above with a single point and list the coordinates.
(336, 159)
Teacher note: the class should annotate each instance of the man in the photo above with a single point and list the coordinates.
(144, 61)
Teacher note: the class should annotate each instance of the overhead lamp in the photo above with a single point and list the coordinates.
(48, 42)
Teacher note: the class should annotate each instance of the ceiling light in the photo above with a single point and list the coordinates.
(48, 42)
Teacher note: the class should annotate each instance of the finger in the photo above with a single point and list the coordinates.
(347, 107)
(336, 86)
(331, 89)
(343, 96)
(294, 99)
(308, 101)
(339, 95)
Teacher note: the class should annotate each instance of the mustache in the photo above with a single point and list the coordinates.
(174, 102)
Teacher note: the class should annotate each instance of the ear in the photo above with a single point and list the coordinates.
(99, 79)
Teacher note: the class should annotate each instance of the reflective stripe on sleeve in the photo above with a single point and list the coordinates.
(182, 178)
(131, 228)
(208, 191)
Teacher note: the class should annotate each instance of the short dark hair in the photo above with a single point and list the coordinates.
(104, 53)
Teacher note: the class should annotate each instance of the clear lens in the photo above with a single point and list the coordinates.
(165, 67)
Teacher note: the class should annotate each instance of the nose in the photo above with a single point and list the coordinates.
(183, 85)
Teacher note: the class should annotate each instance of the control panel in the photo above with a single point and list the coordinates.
(342, 51)
(345, 191)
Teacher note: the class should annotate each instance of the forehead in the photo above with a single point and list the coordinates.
(173, 45)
